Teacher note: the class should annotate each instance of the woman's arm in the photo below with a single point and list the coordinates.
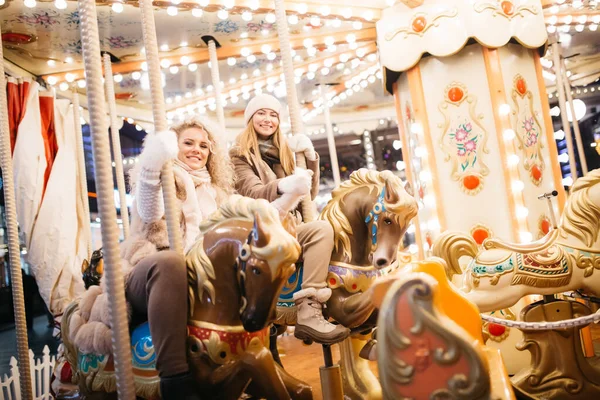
(249, 184)
(148, 196)
(159, 148)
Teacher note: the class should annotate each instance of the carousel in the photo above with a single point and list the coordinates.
(269, 199)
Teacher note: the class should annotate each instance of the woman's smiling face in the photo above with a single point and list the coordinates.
(265, 122)
(194, 147)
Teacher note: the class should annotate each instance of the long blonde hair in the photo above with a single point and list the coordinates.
(247, 143)
(218, 164)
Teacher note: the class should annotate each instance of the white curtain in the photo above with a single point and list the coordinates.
(29, 163)
(56, 248)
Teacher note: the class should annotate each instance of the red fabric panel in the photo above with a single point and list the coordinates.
(48, 134)
(17, 92)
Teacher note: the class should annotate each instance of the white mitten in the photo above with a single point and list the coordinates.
(159, 148)
(301, 144)
(290, 199)
(297, 184)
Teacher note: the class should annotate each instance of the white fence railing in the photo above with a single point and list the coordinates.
(41, 372)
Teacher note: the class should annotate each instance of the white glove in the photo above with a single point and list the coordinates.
(159, 148)
(301, 144)
(298, 184)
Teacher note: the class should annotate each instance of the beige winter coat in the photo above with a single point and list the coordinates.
(254, 178)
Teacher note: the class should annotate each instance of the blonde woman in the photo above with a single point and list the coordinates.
(264, 166)
(156, 287)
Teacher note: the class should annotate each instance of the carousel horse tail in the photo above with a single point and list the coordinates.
(533, 247)
(450, 247)
(70, 324)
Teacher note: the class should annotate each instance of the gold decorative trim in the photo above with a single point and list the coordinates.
(419, 24)
(532, 152)
(498, 9)
(454, 95)
(354, 267)
(533, 247)
(215, 327)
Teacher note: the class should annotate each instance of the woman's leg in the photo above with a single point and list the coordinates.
(157, 288)
(316, 239)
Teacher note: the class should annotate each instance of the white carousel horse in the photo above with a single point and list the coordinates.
(567, 258)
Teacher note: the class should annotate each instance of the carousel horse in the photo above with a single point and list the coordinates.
(236, 269)
(567, 258)
(430, 343)
(369, 214)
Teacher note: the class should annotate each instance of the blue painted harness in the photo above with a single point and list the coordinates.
(378, 208)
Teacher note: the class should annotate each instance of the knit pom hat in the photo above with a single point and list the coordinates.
(259, 102)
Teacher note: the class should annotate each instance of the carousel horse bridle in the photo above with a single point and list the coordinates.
(241, 264)
(374, 214)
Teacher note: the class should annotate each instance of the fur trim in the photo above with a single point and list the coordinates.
(286, 202)
(159, 148)
(102, 339)
(100, 310)
(295, 184)
(87, 302)
(301, 294)
(85, 337)
(75, 324)
(323, 295)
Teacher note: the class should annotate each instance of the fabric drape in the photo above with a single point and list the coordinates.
(48, 133)
(29, 164)
(17, 91)
(54, 254)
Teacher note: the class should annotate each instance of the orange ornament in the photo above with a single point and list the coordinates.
(455, 94)
(479, 235)
(545, 226)
(521, 86)
(496, 330)
(419, 24)
(536, 173)
(471, 182)
(508, 7)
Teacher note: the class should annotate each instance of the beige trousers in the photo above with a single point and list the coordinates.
(316, 239)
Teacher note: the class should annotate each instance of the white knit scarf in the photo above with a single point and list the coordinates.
(195, 208)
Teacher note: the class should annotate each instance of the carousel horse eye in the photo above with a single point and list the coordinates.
(387, 221)
(255, 271)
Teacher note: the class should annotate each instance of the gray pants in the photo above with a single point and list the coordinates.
(157, 290)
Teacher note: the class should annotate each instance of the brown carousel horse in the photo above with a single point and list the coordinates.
(369, 214)
(235, 272)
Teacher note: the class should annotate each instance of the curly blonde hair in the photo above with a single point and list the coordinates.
(218, 163)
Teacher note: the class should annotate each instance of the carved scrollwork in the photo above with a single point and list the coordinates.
(396, 341)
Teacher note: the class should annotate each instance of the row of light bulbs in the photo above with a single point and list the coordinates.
(323, 11)
(343, 61)
(584, 90)
(368, 150)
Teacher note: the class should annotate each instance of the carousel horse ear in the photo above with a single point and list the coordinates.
(409, 189)
(100, 267)
(391, 194)
(261, 236)
(84, 266)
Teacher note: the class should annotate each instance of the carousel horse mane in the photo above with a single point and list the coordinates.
(373, 180)
(200, 269)
(581, 217)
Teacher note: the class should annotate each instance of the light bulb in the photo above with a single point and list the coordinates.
(196, 12)
(116, 7)
(265, 48)
(525, 237)
(270, 18)
(192, 67)
(504, 109)
(64, 86)
(347, 13)
(517, 186)
(302, 8)
(231, 61)
(315, 21)
(245, 52)
(70, 77)
(81, 83)
(247, 16)
(172, 11)
(293, 19)
(118, 78)
(508, 134)
(223, 14)
(62, 4)
(29, 3)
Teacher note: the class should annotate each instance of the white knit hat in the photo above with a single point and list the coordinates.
(259, 102)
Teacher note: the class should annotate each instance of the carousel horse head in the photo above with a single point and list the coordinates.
(371, 208)
(241, 262)
(93, 270)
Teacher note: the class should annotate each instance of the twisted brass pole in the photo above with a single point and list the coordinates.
(14, 250)
(106, 205)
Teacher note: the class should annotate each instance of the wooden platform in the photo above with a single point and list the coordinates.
(303, 362)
